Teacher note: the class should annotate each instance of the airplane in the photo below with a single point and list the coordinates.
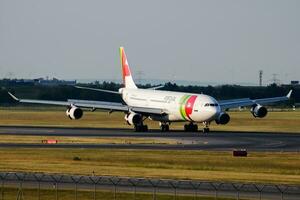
(165, 107)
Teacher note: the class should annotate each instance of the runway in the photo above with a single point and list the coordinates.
(222, 141)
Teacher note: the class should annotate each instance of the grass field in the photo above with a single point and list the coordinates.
(203, 165)
(287, 121)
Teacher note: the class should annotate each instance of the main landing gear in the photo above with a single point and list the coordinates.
(191, 127)
(194, 127)
(164, 126)
(140, 128)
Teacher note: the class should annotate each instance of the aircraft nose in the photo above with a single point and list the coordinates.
(213, 112)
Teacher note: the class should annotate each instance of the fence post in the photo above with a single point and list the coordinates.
(195, 187)
(154, 184)
(154, 193)
(174, 185)
(134, 184)
(20, 178)
(2, 188)
(38, 178)
(259, 189)
(237, 187)
(216, 187)
(95, 180)
(3, 177)
(115, 184)
(56, 182)
(281, 189)
(76, 181)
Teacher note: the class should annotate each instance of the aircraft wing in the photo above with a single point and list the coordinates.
(234, 103)
(116, 106)
(96, 89)
(112, 106)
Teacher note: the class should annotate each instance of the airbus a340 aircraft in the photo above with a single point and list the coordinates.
(162, 106)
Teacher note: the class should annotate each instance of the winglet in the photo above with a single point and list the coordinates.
(289, 94)
(13, 96)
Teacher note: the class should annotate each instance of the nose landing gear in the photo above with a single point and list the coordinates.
(206, 128)
(191, 127)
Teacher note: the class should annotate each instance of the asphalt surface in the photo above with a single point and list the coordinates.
(254, 141)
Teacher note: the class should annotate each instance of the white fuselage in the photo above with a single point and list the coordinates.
(177, 105)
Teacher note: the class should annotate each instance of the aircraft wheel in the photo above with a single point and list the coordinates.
(167, 128)
(141, 128)
(164, 127)
(186, 127)
(191, 127)
(145, 128)
(195, 127)
(205, 130)
(137, 128)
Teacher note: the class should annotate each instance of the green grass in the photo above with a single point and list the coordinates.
(84, 140)
(286, 121)
(47, 194)
(202, 165)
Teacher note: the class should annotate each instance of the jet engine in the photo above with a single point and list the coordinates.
(133, 118)
(74, 112)
(259, 111)
(223, 118)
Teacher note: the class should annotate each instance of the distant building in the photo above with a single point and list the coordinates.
(53, 82)
(260, 77)
(294, 82)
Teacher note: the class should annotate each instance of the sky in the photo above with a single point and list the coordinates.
(224, 41)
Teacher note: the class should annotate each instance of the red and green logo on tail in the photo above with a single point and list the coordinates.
(124, 64)
(186, 106)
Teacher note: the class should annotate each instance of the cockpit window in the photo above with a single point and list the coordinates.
(211, 104)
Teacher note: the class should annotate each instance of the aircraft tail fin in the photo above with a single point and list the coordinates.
(126, 74)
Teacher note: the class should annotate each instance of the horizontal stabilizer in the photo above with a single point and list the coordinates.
(289, 94)
(156, 87)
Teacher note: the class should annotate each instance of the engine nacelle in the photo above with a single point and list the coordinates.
(259, 111)
(133, 118)
(74, 112)
(223, 118)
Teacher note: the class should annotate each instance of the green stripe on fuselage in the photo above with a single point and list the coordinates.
(182, 103)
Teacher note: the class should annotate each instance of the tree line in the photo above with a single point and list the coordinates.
(63, 92)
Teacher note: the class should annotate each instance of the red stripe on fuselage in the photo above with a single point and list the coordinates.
(190, 105)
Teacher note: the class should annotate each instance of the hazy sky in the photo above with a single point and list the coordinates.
(207, 41)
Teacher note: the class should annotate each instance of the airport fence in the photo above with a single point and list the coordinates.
(176, 188)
